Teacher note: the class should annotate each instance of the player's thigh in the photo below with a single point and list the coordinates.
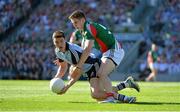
(95, 85)
(115, 55)
(107, 66)
(153, 67)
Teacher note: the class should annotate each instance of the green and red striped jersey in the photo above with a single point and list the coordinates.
(104, 39)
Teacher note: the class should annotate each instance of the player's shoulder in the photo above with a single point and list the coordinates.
(92, 23)
(70, 45)
(75, 31)
(73, 46)
(58, 53)
(98, 25)
(56, 49)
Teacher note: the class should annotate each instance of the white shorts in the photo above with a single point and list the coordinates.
(153, 66)
(116, 55)
(96, 53)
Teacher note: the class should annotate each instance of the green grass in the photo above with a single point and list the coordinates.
(27, 95)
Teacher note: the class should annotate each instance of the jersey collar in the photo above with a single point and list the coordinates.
(67, 46)
(86, 22)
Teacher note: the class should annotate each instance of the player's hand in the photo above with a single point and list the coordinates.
(57, 62)
(63, 91)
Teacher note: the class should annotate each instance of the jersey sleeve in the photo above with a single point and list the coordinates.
(60, 60)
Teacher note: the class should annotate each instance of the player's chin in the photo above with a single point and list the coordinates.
(61, 48)
(77, 28)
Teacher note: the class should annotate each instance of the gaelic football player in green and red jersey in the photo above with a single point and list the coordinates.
(152, 60)
(99, 36)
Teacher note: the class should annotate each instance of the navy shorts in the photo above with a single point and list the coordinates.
(92, 73)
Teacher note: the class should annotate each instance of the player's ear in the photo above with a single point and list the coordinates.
(82, 20)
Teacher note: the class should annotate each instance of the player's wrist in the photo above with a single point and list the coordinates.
(78, 66)
(68, 85)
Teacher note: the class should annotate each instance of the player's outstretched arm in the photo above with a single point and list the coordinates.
(88, 46)
(75, 75)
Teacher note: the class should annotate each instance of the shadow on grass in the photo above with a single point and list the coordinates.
(138, 103)
(157, 103)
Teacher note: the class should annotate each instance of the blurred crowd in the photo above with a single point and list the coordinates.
(26, 61)
(11, 11)
(55, 16)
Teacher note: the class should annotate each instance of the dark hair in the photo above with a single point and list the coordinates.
(58, 34)
(78, 14)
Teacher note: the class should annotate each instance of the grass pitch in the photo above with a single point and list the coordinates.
(16, 95)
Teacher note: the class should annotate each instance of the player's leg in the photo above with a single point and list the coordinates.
(110, 60)
(98, 93)
(153, 72)
(125, 99)
(97, 89)
(151, 75)
(107, 66)
(119, 97)
(128, 83)
(117, 57)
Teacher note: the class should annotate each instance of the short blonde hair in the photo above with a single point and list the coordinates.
(78, 14)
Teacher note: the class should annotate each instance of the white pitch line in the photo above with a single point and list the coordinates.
(86, 111)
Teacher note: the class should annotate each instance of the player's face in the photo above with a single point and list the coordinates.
(154, 47)
(78, 23)
(59, 43)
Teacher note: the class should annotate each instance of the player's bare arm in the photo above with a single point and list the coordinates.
(75, 75)
(62, 68)
(87, 49)
(73, 38)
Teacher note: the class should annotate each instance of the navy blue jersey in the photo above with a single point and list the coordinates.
(72, 55)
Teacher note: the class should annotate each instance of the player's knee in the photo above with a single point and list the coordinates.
(154, 72)
(98, 74)
(94, 95)
(103, 75)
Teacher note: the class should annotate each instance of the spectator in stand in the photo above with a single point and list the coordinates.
(11, 11)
